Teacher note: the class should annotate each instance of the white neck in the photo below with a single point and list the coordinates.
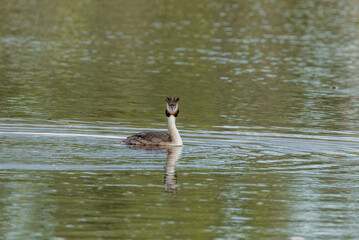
(172, 130)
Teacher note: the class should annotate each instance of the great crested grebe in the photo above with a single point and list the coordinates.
(172, 138)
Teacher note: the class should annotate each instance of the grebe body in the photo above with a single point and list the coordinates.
(172, 138)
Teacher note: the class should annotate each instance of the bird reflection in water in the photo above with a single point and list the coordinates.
(173, 154)
(170, 180)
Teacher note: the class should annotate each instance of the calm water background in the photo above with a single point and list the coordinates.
(269, 118)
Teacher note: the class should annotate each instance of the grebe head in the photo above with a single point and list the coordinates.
(172, 107)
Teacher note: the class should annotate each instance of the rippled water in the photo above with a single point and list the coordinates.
(75, 181)
(269, 119)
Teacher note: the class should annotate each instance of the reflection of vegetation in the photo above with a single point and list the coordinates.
(247, 63)
(120, 204)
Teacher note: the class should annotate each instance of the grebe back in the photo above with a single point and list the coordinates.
(172, 138)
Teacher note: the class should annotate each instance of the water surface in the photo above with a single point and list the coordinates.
(269, 119)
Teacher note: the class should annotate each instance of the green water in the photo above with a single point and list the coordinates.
(268, 115)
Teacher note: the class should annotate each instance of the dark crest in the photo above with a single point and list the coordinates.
(172, 101)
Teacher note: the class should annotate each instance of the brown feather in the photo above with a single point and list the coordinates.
(148, 138)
